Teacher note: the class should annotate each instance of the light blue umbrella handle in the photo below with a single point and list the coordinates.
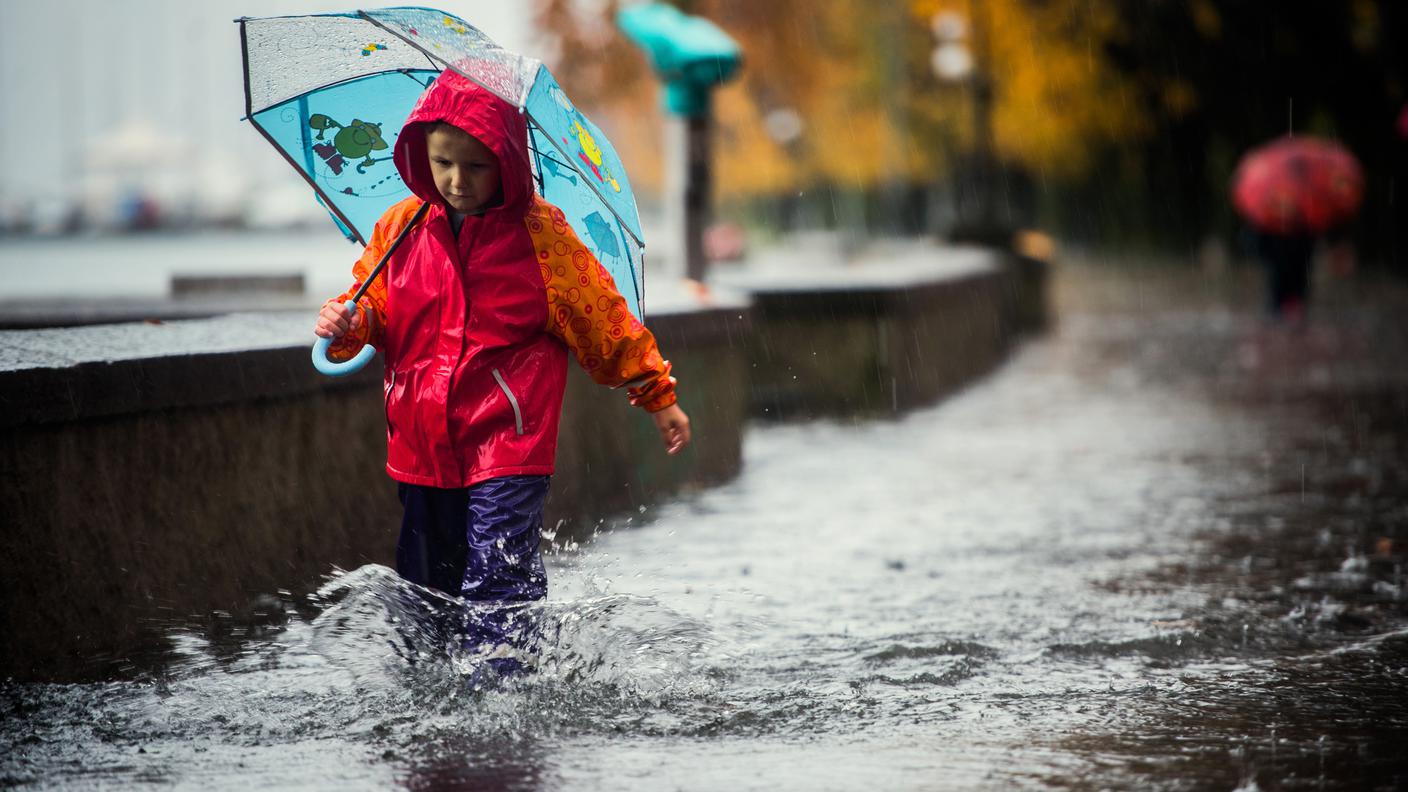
(326, 365)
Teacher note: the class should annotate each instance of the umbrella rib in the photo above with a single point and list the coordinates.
(335, 83)
(541, 155)
(637, 285)
(538, 155)
(422, 50)
(518, 102)
(244, 58)
(407, 72)
(434, 59)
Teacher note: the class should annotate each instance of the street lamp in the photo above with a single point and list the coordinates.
(691, 56)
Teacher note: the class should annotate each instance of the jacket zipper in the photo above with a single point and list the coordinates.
(390, 391)
(512, 401)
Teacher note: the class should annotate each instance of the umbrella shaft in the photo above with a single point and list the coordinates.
(392, 249)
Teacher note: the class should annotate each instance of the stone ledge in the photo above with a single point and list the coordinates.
(84, 391)
(183, 284)
(75, 373)
(877, 337)
(880, 273)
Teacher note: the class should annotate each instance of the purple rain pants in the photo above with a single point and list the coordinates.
(479, 543)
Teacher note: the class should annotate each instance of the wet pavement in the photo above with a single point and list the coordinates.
(1162, 548)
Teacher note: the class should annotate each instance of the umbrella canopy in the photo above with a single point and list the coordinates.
(332, 91)
(1298, 186)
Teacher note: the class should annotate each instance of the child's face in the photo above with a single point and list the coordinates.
(466, 172)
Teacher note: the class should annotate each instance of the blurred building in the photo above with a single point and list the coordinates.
(129, 114)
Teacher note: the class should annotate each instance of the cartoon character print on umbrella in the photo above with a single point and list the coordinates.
(587, 149)
(590, 154)
(356, 140)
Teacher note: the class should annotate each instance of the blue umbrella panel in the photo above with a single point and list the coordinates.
(580, 173)
(341, 138)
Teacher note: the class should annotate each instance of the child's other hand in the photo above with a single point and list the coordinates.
(334, 322)
(674, 427)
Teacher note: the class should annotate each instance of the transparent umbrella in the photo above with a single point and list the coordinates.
(332, 91)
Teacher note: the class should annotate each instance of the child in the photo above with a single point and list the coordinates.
(475, 313)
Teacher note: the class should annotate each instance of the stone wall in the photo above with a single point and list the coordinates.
(882, 339)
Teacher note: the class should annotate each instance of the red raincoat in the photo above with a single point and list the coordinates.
(475, 329)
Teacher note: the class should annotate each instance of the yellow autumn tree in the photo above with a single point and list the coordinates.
(846, 68)
(857, 74)
(1055, 96)
(817, 60)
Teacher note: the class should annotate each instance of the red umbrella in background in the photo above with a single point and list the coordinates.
(1298, 185)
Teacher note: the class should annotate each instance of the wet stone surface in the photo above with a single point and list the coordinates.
(67, 346)
(1163, 548)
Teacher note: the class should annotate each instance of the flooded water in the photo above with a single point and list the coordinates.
(1163, 548)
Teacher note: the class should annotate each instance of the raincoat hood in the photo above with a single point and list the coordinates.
(454, 99)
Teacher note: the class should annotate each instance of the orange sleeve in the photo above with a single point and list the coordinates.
(373, 303)
(589, 314)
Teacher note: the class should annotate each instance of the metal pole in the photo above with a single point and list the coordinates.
(982, 119)
(698, 190)
(385, 257)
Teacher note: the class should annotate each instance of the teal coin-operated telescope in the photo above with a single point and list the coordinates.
(690, 54)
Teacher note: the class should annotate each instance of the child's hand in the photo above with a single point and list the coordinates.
(674, 427)
(334, 322)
